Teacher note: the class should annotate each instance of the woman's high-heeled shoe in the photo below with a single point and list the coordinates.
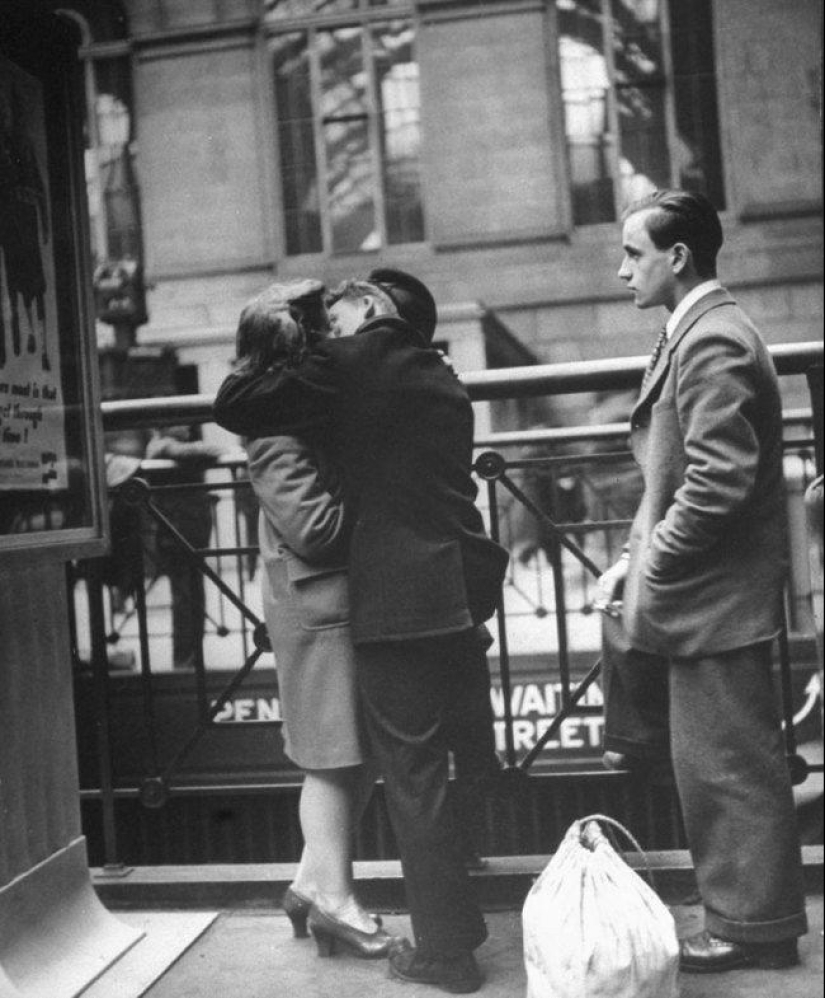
(329, 932)
(296, 907)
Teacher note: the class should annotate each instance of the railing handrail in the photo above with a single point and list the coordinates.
(604, 433)
(615, 373)
(571, 377)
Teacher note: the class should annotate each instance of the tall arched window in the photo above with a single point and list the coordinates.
(347, 105)
(639, 93)
(113, 191)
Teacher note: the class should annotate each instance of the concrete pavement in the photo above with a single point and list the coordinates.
(251, 954)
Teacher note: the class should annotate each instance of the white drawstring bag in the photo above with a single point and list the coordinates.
(593, 928)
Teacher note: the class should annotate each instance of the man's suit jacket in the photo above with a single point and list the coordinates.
(399, 426)
(708, 546)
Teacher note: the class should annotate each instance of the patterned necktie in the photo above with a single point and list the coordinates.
(661, 340)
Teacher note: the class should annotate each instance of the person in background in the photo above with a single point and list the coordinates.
(423, 577)
(190, 512)
(304, 533)
(702, 582)
(140, 546)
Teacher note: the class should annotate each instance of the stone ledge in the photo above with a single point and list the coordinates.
(503, 884)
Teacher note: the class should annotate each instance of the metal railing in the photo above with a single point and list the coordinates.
(549, 495)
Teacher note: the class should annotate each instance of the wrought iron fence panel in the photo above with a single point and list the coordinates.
(560, 500)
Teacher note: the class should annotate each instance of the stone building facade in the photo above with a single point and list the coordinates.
(486, 145)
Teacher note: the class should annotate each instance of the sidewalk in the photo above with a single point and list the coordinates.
(253, 955)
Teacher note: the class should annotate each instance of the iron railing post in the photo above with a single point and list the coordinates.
(557, 566)
(503, 650)
(93, 572)
(814, 375)
(797, 764)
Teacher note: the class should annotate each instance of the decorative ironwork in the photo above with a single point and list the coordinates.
(560, 540)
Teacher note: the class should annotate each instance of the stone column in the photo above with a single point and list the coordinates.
(55, 936)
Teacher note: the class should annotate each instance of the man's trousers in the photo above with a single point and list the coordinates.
(423, 699)
(635, 687)
(732, 778)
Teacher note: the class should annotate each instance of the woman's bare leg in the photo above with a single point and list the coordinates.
(330, 800)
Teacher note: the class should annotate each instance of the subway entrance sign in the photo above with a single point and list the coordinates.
(244, 746)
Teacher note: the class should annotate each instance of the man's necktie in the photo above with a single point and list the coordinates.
(661, 340)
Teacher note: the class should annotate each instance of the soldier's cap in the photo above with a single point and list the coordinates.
(410, 296)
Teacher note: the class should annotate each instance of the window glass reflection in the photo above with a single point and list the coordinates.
(585, 95)
(345, 118)
(632, 122)
(640, 97)
(284, 9)
(697, 161)
(348, 111)
(397, 87)
(296, 140)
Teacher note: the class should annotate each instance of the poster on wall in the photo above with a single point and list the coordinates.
(33, 453)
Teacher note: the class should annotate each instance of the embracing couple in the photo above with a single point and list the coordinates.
(379, 578)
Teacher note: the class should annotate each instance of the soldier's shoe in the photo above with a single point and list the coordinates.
(458, 974)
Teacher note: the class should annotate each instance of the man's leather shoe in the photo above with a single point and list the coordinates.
(705, 953)
(457, 974)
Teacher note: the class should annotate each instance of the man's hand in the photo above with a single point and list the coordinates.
(161, 445)
(609, 587)
(448, 361)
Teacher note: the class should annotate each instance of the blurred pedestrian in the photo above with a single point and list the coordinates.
(189, 510)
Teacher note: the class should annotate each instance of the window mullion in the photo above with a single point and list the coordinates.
(615, 135)
(671, 131)
(320, 140)
(375, 126)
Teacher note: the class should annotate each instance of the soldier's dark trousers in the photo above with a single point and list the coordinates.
(413, 692)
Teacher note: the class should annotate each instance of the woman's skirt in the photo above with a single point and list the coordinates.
(308, 623)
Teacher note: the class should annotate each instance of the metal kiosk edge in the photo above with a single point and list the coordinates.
(55, 935)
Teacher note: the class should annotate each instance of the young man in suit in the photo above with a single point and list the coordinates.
(702, 582)
(423, 578)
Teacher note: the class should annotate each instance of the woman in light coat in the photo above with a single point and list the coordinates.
(304, 533)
